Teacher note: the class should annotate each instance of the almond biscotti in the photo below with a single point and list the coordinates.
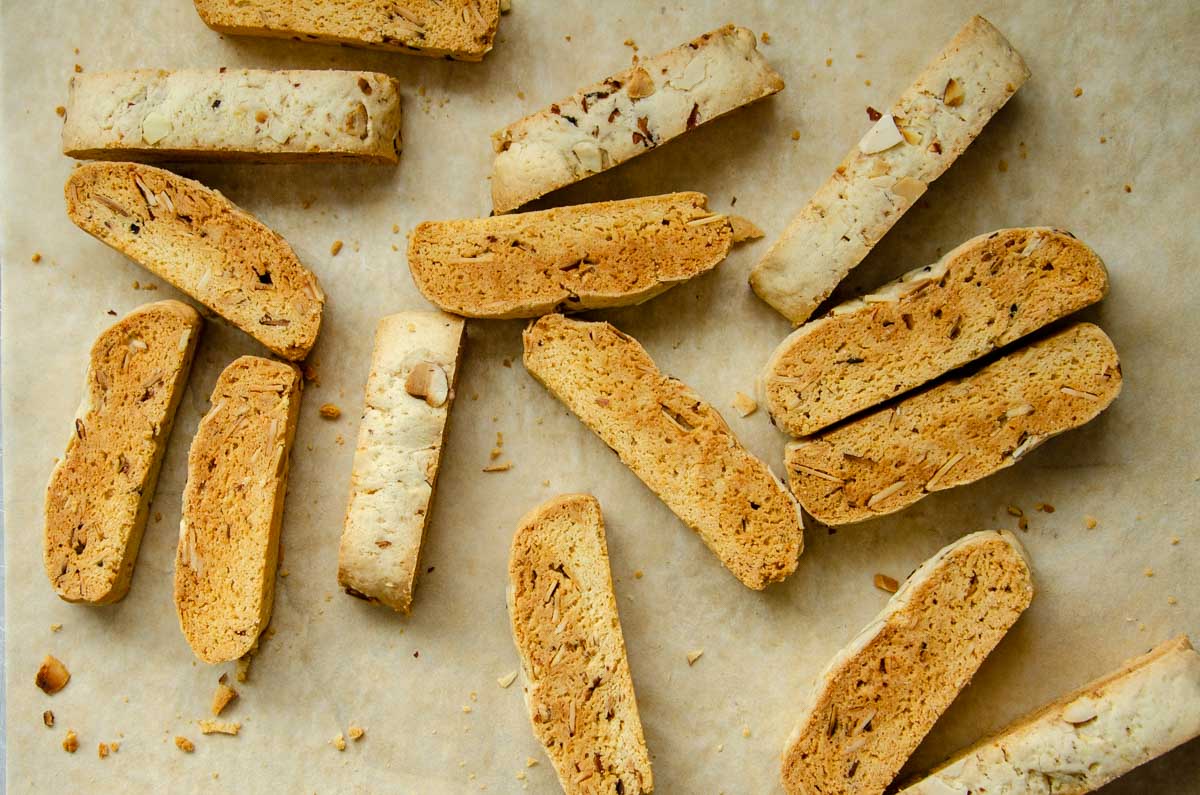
(233, 508)
(408, 396)
(100, 492)
(632, 112)
(909, 147)
(233, 114)
(882, 693)
(988, 292)
(577, 684)
(674, 441)
(203, 244)
(955, 432)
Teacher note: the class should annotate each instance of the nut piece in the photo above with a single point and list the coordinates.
(70, 743)
(48, 718)
(640, 84)
(52, 676)
(692, 656)
(953, 95)
(330, 411)
(743, 404)
(1081, 710)
(909, 187)
(428, 380)
(881, 137)
(507, 679)
(155, 127)
(886, 583)
(184, 744)
(222, 697)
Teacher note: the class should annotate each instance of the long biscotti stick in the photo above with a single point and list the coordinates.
(882, 693)
(909, 147)
(203, 244)
(674, 441)
(632, 112)
(408, 396)
(100, 492)
(577, 684)
(233, 508)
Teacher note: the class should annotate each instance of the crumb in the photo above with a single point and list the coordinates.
(284, 572)
(766, 37)
(692, 656)
(520, 95)
(545, 483)
(340, 440)
(310, 373)
(394, 247)
(1022, 151)
(743, 404)
(567, 37)
(114, 747)
(507, 679)
(1023, 524)
(867, 83)
(56, 627)
(70, 743)
(137, 285)
(48, 719)
(1090, 522)
(243, 669)
(216, 727)
(1103, 139)
(102, 750)
(37, 257)
(330, 412)
(507, 362)
(1003, 165)
(355, 732)
(1141, 627)
(395, 228)
(886, 583)
(60, 110)
(221, 699)
(158, 516)
(745, 731)
(530, 761)
(1149, 572)
(828, 62)
(859, 55)
(1174, 540)
(339, 742)
(52, 676)
(1014, 511)
(184, 744)
(1078, 91)
(335, 248)
(638, 574)
(78, 69)
(520, 775)
(1044, 507)
(631, 43)
(1128, 188)
(507, 465)
(1171, 600)
(466, 709)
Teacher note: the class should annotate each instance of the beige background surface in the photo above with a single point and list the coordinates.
(335, 660)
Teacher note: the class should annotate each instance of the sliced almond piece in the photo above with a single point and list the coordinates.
(881, 137)
(953, 93)
(428, 381)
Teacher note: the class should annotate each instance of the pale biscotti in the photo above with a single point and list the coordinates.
(203, 244)
(674, 441)
(986, 293)
(233, 508)
(233, 114)
(909, 147)
(632, 112)
(882, 693)
(461, 30)
(408, 396)
(1087, 738)
(100, 491)
(577, 683)
(955, 432)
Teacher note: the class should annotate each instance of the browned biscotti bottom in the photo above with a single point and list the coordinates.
(213, 155)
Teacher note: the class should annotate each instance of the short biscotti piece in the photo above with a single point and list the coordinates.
(882, 693)
(955, 432)
(233, 114)
(100, 491)
(909, 147)
(577, 683)
(1087, 738)
(233, 508)
(203, 244)
(408, 396)
(986, 293)
(461, 30)
(674, 441)
(605, 124)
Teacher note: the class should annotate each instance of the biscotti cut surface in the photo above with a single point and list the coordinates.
(674, 441)
(233, 508)
(986, 293)
(1087, 738)
(100, 492)
(408, 396)
(881, 695)
(955, 432)
(577, 683)
(634, 111)
(203, 244)
(931, 124)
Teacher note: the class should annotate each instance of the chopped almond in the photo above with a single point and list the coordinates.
(52, 676)
(184, 744)
(886, 583)
(48, 718)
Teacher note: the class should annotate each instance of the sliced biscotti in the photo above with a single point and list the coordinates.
(233, 114)
(931, 124)
(1087, 738)
(674, 441)
(986, 293)
(408, 396)
(632, 112)
(577, 683)
(203, 244)
(461, 30)
(882, 693)
(233, 508)
(100, 491)
(955, 432)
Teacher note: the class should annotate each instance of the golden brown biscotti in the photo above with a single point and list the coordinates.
(673, 440)
(955, 432)
(882, 693)
(203, 244)
(577, 684)
(988, 292)
(233, 508)
(100, 492)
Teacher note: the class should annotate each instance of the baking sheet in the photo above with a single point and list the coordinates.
(717, 726)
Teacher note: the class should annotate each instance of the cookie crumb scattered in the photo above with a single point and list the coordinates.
(52, 676)
(530, 761)
(1002, 165)
(329, 411)
(1014, 511)
(886, 583)
(60, 110)
(222, 697)
(1174, 540)
(466, 709)
(1044, 507)
(217, 727)
(507, 679)
(1128, 188)
(37, 257)
(56, 627)
(114, 747)
(48, 719)
(70, 743)
(828, 62)
(766, 37)
(1171, 600)
(395, 229)
(339, 742)
(243, 668)
(1078, 91)
(355, 732)
(184, 744)
(507, 465)
(638, 574)
(78, 69)
(336, 247)
(1090, 522)
(1149, 572)
(102, 751)
(745, 731)
(1103, 139)
(743, 404)
(692, 656)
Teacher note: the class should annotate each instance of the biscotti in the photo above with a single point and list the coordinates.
(461, 30)
(632, 112)
(233, 114)
(577, 684)
(674, 441)
(570, 259)
(408, 396)
(882, 693)
(986, 293)
(233, 508)
(100, 491)
(203, 244)
(1087, 738)
(909, 147)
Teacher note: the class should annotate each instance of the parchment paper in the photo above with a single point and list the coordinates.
(718, 726)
